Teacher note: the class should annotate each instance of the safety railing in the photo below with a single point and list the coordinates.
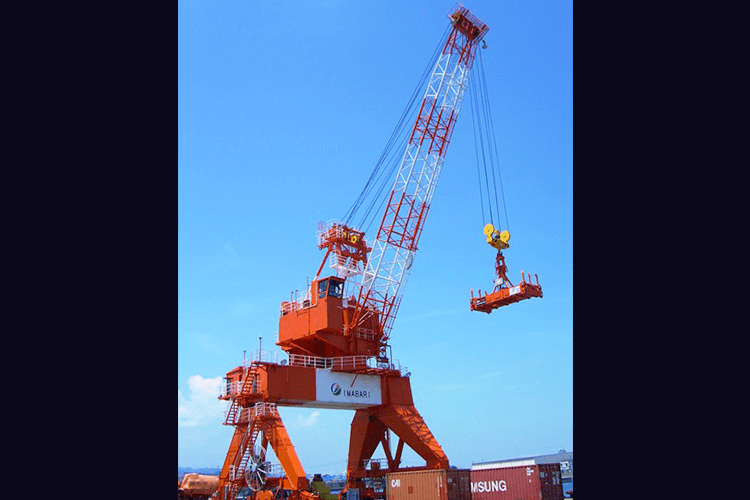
(364, 333)
(329, 230)
(263, 356)
(231, 388)
(296, 304)
(345, 363)
(340, 363)
(344, 265)
(234, 389)
(375, 463)
(275, 470)
(264, 409)
(258, 410)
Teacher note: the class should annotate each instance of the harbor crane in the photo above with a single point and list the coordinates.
(336, 333)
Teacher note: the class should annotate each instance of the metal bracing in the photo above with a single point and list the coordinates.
(395, 244)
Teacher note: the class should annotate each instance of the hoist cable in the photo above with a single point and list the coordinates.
(406, 117)
(397, 131)
(492, 135)
(475, 97)
(476, 154)
(382, 193)
(484, 98)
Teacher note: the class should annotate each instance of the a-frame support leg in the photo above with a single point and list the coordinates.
(274, 430)
(274, 433)
(366, 433)
(368, 430)
(408, 424)
(241, 438)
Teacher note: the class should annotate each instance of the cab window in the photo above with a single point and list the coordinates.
(322, 287)
(336, 289)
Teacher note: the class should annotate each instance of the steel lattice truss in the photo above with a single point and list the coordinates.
(395, 244)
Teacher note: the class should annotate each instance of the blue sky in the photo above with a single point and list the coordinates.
(283, 109)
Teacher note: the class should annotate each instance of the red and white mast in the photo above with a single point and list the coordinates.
(396, 241)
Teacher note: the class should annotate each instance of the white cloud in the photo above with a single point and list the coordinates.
(202, 405)
(308, 421)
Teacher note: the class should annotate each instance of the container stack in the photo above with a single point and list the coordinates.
(504, 482)
(532, 482)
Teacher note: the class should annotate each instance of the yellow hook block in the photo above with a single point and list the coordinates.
(495, 238)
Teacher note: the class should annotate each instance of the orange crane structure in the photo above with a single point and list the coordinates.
(336, 333)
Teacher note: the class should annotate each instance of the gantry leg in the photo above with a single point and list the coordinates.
(407, 423)
(230, 473)
(265, 419)
(366, 433)
(368, 430)
(273, 429)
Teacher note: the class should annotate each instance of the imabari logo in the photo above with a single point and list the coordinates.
(335, 389)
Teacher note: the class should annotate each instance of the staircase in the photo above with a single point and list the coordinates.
(242, 411)
(246, 451)
(243, 388)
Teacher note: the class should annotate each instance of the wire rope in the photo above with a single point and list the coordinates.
(477, 102)
(382, 192)
(485, 107)
(486, 149)
(476, 153)
(399, 131)
(493, 140)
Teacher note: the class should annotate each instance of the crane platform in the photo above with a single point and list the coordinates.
(381, 397)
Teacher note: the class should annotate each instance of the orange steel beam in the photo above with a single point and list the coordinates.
(235, 448)
(273, 428)
(399, 449)
(386, 443)
(292, 385)
(367, 431)
(409, 425)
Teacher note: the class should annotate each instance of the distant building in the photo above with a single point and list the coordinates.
(564, 458)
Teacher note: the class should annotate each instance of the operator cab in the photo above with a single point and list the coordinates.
(316, 325)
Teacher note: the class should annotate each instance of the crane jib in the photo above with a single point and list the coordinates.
(396, 241)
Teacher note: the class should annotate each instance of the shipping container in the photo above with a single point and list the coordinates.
(441, 484)
(508, 463)
(524, 482)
